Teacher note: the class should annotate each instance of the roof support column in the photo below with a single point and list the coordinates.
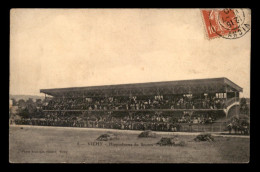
(235, 101)
(226, 101)
(226, 93)
(201, 106)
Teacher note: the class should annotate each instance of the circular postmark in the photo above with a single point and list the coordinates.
(230, 23)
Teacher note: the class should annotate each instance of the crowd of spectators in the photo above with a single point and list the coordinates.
(178, 102)
(136, 121)
(102, 112)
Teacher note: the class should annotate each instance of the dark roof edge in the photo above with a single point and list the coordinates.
(134, 84)
(223, 80)
(231, 83)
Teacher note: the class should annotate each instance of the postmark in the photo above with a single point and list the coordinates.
(226, 23)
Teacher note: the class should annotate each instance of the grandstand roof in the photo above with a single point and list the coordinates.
(211, 85)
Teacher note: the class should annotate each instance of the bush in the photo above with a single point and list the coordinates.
(204, 137)
(165, 141)
(147, 134)
(239, 124)
(182, 143)
(106, 137)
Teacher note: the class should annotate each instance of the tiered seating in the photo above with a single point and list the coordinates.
(134, 104)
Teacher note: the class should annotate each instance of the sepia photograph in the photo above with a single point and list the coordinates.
(119, 85)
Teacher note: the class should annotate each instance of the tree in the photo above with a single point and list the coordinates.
(14, 102)
(24, 113)
(30, 101)
(21, 103)
(39, 102)
(27, 109)
(239, 124)
(243, 107)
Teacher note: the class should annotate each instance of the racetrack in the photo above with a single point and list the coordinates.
(78, 145)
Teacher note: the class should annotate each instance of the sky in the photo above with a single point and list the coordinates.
(57, 48)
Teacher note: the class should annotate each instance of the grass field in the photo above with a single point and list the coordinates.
(79, 145)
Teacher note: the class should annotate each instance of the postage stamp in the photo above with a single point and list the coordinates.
(226, 23)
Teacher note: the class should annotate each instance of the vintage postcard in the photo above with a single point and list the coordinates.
(129, 85)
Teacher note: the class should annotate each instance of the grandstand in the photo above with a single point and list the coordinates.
(163, 106)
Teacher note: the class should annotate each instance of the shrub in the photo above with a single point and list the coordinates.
(165, 141)
(106, 137)
(182, 143)
(204, 137)
(147, 134)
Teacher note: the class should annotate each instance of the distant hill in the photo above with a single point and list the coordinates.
(25, 97)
